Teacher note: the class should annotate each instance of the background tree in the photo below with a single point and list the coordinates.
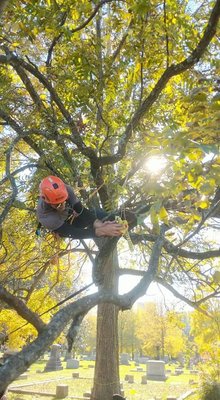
(160, 333)
(89, 92)
(206, 335)
(128, 340)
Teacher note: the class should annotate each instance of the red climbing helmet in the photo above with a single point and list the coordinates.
(53, 190)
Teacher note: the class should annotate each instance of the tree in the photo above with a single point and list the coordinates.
(129, 343)
(88, 92)
(206, 335)
(160, 333)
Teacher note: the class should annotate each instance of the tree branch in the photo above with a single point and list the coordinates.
(170, 72)
(149, 275)
(193, 304)
(73, 330)
(175, 250)
(28, 85)
(96, 9)
(19, 363)
(209, 214)
(18, 170)
(12, 182)
(162, 282)
(22, 310)
(166, 32)
(117, 51)
(15, 61)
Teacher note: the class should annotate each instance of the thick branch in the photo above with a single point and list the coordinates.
(73, 330)
(149, 275)
(20, 307)
(19, 363)
(162, 282)
(30, 88)
(175, 250)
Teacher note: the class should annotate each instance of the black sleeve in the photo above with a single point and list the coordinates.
(82, 225)
(86, 218)
(67, 230)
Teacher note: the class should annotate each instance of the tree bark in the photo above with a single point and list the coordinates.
(106, 378)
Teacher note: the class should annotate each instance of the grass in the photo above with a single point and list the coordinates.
(47, 382)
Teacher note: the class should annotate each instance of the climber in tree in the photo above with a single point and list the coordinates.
(60, 211)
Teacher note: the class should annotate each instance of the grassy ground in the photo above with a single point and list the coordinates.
(46, 382)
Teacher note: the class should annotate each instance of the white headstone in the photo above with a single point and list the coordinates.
(156, 370)
(72, 364)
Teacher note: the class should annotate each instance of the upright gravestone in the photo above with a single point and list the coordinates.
(124, 359)
(72, 363)
(54, 362)
(156, 370)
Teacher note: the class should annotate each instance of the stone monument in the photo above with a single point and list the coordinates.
(124, 359)
(156, 370)
(54, 362)
(72, 363)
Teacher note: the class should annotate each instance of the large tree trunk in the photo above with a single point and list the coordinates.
(106, 379)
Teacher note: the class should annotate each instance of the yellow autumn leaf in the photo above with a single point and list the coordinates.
(163, 215)
(202, 204)
(190, 177)
(195, 155)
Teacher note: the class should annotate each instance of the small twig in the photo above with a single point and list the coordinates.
(208, 215)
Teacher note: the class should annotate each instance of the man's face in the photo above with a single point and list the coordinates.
(59, 207)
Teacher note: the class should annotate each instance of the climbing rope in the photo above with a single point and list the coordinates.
(124, 231)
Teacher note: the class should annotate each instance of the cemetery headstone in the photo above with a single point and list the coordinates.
(143, 360)
(136, 358)
(62, 391)
(92, 357)
(178, 371)
(124, 359)
(72, 364)
(144, 380)
(156, 370)
(130, 378)
(54, 362)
